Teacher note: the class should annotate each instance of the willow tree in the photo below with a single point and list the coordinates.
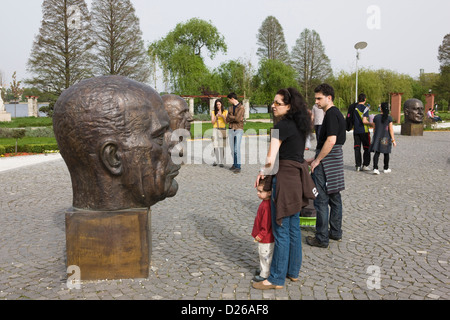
(61, 54)
(119, 45)
(181, 52)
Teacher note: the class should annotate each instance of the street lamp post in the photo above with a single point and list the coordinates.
(359, 46)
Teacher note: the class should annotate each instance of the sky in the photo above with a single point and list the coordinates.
(402, 35)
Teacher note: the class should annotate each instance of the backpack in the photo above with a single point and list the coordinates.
(350, 119)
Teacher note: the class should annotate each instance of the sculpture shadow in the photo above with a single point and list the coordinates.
(235, 249)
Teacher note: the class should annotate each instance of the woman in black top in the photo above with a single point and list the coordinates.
(288, 143)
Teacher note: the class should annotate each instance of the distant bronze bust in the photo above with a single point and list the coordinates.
(114, 135)
(413, 109)
(180, 123)
(178, 110)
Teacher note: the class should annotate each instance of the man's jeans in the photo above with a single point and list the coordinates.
(321, 204)
(235, 138)
(287, 254)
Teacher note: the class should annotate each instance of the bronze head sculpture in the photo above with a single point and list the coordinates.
(413, 109)
(180, 123)
(114, 135)
(178, 110)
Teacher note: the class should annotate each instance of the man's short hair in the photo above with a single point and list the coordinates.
(326, 90)
(232, 96)
(361, 97)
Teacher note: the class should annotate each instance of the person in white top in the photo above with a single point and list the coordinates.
(317, 115)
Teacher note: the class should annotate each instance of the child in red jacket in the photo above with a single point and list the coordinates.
(262, 232)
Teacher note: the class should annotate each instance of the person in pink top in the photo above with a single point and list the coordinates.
(262, 232)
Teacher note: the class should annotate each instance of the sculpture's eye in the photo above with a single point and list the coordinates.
(159, 140)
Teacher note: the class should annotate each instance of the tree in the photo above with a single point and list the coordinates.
(119, 45)
(236, 77)
(376, 84)
(310, 61)
(61, 54)
(271, 41)
(444, 51)
(17, 91)
(272, 76)
(442, 85)
(198, 34)
(179, 54)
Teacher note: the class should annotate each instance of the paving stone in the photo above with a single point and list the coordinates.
(398, 222)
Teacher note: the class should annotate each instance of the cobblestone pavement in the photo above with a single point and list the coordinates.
(396, 230)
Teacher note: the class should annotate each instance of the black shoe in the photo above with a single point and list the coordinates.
(258, 279)
(334, 238)
(312, 241)
(237, 170)
(214, 164)
(221, 165)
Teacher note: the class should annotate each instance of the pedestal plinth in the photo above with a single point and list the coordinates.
(109, 245)
(5, 116)
(412, 129)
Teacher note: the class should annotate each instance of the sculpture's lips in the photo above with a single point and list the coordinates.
(174, 172)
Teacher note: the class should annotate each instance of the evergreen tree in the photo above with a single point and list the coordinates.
(310, 61)
(442, 86)
(444, 51)
(271, 41)
(61, 54)
(119, 45)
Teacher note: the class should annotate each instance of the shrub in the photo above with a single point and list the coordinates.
(29, 148)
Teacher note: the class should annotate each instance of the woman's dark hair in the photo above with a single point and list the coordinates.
(385, 110)
(298, 111)
(216, 108)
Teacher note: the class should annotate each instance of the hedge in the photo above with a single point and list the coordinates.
(29, 148)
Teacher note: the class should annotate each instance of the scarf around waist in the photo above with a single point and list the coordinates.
(333, 166)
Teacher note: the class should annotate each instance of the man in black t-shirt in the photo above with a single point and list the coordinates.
(327, 170)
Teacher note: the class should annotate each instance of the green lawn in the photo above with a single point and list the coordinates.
(204, 129)
(27, 140)
(27, 122)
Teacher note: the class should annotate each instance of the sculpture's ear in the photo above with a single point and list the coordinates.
(110, 158)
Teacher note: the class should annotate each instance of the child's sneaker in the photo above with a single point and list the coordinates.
(387, 171)
(376, 171)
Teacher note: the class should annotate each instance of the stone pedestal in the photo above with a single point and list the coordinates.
(412, 129)
(5, 116)
(429, 102)
(396, 106)
(246, 103)
(109, 245)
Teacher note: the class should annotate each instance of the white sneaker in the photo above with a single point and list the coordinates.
(376, 171)
(387, 171)
(365, 168)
